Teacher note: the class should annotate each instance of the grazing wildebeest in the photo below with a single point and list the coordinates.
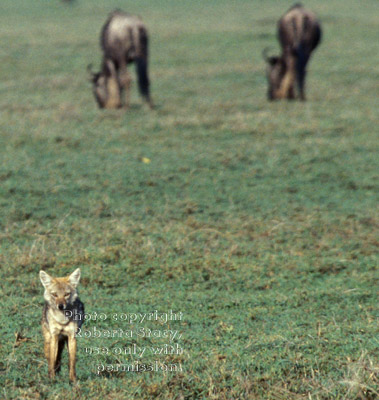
(299, 34)
(124, 40)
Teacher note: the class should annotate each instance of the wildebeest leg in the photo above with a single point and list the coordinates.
(300, 77)
(113, 87)
(301, 84)
(286, 87)
(301, 63)
(125, 83)
(291, 93)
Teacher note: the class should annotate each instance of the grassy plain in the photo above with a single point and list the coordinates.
(257, 220)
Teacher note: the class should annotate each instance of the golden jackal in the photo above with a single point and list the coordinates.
(63, 314)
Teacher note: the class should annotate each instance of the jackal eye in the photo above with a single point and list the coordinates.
(67, 294)
(54, 294)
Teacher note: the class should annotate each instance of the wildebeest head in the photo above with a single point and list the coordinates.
(279, 79)
(106, 88)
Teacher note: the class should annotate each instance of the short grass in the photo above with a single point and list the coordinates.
(257, 220)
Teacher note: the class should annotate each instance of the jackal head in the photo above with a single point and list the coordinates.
(60, 292)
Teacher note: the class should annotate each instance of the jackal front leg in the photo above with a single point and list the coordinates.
(72, 357)
(46, 347)
(53, 355)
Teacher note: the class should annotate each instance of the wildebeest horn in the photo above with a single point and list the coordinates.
(265, 55)
(92, 75)
(89, 69)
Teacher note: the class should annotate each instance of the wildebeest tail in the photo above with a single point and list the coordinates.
(142, 64)
(142, 76)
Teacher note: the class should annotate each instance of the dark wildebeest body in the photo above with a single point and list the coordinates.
(299, 34)
(124, 40)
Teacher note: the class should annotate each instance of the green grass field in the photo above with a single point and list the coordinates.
(257, 220)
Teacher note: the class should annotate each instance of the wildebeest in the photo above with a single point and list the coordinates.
(124, 40)
(299, 34)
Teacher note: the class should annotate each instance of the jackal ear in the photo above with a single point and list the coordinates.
(74, 278)
(45, 278)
